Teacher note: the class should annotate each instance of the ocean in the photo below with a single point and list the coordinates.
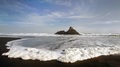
(62, 48)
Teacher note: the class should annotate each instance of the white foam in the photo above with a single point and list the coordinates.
(25, 34)
(67, 49)
(46, 34)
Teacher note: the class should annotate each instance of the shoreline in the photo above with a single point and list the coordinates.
(102, 61)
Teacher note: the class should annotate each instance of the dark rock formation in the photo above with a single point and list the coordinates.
(61, 32)
(71, 31)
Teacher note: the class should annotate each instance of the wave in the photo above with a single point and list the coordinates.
(68, 49)
(25, 35)
(46, 34)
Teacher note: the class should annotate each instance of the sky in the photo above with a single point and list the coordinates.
(50, 16)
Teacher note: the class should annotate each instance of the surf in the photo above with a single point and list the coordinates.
(67, 49)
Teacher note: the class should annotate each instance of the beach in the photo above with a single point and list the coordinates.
(102, 61)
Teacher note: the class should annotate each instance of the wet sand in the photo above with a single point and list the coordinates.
(102, 61)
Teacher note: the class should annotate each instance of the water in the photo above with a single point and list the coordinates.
(68, 49)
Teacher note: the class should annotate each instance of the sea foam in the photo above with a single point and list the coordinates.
(68, 49)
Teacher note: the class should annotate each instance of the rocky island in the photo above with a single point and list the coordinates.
(71, 31)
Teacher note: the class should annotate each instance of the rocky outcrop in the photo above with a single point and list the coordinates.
(61, 32)
(70, 31)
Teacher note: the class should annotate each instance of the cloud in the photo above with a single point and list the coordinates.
(113, 22)
(16, 6)
(70, 15)
(57, 14)
(92, 1)
(98, 29)
(81, 17)
(51, 19)
(60, 2)
(35, 19)
(85, 15)
(107, 22)
(2, 13)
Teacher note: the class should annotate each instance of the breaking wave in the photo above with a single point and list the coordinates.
(67, 49)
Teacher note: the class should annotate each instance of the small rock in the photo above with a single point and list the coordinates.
(70, 31)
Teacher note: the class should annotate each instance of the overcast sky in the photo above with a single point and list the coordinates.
(49, 16)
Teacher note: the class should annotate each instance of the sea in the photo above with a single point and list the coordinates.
(63, 48)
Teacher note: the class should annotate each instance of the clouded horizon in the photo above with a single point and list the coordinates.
(49, 16)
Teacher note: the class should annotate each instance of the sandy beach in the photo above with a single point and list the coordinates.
(103, 61)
